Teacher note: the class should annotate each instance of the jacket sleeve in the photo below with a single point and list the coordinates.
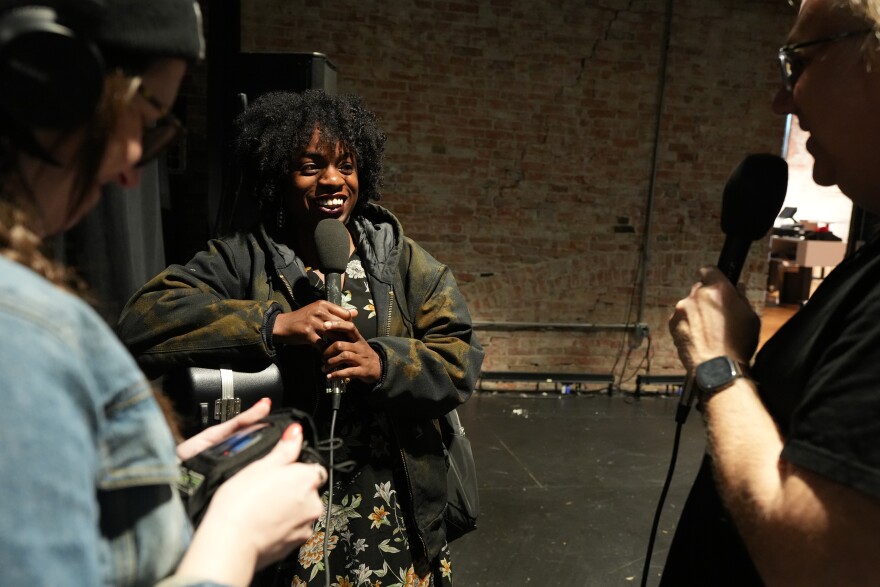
(434, 370)
(206, 313)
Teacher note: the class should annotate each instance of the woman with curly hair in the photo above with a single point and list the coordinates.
(402, 338)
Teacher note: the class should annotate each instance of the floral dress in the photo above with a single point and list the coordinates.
(368, 542)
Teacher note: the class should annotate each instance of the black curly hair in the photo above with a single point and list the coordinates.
(278, 126)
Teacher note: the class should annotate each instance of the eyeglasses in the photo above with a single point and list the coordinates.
(161, 132)
(792, 67)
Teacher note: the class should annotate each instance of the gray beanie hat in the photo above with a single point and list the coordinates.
(151, 29)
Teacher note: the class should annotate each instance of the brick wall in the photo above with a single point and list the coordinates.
(521, 140)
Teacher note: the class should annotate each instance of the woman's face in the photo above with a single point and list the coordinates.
(835, 99)
(54, 189)
(325, 184)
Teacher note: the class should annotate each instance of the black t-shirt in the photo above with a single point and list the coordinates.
(819, 378)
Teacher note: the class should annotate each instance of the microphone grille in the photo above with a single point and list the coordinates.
(331, 242)
(754, 195)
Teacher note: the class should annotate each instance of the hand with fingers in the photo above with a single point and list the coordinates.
(715, 319)
(258, 516)
(348, 355)
(307, 324)
(220, 432)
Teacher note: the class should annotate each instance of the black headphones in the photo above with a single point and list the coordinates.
(51, 74)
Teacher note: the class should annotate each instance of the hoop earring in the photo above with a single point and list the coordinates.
(280, 220)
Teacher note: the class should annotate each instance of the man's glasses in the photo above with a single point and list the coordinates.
(158, 134)
(790, 64)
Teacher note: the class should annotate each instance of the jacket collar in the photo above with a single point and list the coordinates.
(378, 234)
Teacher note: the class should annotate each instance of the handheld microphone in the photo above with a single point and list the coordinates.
(751, 202)
(331, 244)
(752, 199)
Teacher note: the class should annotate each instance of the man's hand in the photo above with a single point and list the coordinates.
(714, 320)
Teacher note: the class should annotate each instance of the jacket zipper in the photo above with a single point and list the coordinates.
(390, 305)
(411, 498)
(409, 493)
(289, 289)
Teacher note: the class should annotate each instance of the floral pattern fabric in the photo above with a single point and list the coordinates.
(367, 543)
(355, 295)
(367, 546)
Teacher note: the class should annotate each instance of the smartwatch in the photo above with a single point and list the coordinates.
(716, 374)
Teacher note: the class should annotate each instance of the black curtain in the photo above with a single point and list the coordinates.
(119, 246)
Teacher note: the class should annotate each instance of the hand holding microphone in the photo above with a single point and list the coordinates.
(307, 325)
(347, 355)
(715, 316)
(332, 246)
(716, 319)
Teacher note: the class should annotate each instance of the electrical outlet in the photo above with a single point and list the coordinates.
(638, 334)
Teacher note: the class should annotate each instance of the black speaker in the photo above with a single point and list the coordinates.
(259, 73)
(52, 75)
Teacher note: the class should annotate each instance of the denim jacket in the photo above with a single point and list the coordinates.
(216, 310)
(88, 461)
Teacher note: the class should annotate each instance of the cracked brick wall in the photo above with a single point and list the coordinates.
(521, 136)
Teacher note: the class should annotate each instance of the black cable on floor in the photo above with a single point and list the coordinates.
(659, 511)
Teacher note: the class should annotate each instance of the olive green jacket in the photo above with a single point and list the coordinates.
(218, 309)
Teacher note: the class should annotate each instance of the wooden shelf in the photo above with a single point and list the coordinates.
(807, 253)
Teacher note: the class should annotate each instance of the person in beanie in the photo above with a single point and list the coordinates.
(89, 465)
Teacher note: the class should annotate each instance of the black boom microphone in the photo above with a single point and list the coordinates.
(331, 244)
(752, 200)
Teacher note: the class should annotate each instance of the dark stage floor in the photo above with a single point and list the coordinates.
(569, 486)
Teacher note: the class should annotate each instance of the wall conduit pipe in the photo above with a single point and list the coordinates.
(658, 123)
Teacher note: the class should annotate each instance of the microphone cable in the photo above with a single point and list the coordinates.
(333, 388)
(330, 490)
(329, 446)
(655, 525)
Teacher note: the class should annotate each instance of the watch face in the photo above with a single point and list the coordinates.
(716, 373)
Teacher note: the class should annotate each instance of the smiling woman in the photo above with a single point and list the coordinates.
(282, 130)
(325, 184)
(400, 339)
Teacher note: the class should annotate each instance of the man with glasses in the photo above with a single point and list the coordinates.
(789, 492)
